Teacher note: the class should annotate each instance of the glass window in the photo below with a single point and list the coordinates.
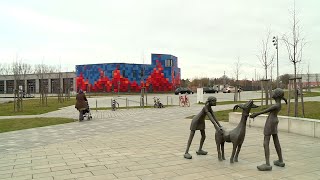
(1, 87)
(134, 74)
(169, 63)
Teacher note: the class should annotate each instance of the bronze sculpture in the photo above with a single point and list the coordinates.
(198, 123)
(236, 136)
(271, 128)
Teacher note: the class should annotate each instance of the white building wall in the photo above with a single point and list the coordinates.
(36, 77)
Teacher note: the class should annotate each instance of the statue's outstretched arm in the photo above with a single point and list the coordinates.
(271, 108)
(214, 121)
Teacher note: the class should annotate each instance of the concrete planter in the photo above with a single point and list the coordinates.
(302, 126)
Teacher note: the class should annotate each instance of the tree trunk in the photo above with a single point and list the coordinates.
(266, 69)
(295, 91)
(266, 89)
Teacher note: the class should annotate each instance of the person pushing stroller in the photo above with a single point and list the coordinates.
(82, 105)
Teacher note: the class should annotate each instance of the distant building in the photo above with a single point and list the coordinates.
(33, 83)
(163, 74)
(314, 79)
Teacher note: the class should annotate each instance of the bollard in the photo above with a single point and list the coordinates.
(171, 101)
(127, 103)
(146, 100)
(142, 102)
(96, 105)
(167, 100)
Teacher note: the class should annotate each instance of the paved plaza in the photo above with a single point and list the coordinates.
(141, 144)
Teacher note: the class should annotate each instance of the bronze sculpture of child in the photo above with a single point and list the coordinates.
(198, 123)
(271, 128)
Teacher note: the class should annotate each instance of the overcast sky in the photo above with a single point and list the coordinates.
(207, 36)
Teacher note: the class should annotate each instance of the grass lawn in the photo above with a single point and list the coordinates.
(220, 115)
(7, 125)
(305, 94)
(311, 111)
(228, 102)
(33, 107)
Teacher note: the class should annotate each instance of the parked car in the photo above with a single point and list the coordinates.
(183, 90)
(210, 90)
(231, 89)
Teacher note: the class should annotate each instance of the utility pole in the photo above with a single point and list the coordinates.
(275, 43)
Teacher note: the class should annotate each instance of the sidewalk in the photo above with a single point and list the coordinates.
(145, 144)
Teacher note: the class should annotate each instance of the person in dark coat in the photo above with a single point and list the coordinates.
(81, 103)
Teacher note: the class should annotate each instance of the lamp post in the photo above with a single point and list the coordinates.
(275, 43)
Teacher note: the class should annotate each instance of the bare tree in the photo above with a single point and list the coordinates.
(40, 70)
(271, 71)
(294, 47)
(2, 69)
(5, 69)
(236, 71)
(317, 79)
(265, 58)
(60, 92)
(66, 87)
(285, 79)
(18, 84)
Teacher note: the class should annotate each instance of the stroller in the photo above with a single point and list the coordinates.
(87, 113)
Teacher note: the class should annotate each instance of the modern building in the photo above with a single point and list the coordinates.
(163, 74)
(34, 83)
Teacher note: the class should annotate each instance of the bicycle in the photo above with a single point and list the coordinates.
(114, 105)
(184, 101)
(157, 103)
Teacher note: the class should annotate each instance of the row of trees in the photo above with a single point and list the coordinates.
(208, 82)
(19, 70)
(294, 44)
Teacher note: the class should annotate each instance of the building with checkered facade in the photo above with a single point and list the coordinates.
(162, 75)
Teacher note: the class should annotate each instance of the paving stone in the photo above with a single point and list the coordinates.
(134, 173)
(101, 177)
(66, 167)
(28, 172)
(138, 167)
(72, 176)
(86, 169)
(55, 173)
(161, 175)
(146, 144)
(7, 175)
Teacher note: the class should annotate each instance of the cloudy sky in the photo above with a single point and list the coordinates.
(207, 36)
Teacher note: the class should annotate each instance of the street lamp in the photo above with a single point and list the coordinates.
(275, 43)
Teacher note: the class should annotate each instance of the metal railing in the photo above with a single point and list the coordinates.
(127, 102)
